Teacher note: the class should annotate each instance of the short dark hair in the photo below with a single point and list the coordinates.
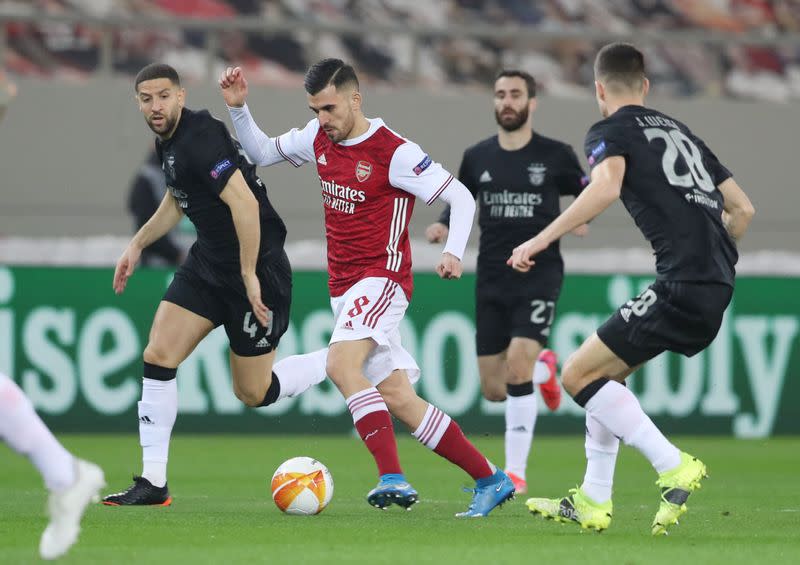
(620, 63)
(330, 71)
(154, 71)
(530, 82)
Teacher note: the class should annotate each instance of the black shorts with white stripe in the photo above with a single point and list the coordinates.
(683, 317)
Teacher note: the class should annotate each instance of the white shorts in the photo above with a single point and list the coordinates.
(373, 308)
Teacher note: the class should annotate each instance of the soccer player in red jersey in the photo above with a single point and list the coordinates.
(370, 178)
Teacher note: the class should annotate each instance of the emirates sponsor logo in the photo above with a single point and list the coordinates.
(363, 170)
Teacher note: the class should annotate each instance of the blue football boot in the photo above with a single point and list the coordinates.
(489, 492)
(393, 489)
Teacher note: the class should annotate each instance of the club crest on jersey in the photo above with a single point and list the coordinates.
(363, 171)
(169, 165)
(536, 173)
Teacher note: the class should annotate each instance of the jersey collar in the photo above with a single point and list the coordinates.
(374, 125)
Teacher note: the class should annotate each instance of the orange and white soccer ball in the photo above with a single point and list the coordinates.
(302, 486)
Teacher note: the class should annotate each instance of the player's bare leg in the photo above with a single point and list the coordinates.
(174, 334)
(437, 431)
(252, 379)
(494, 374)
(372, 421)
(260, 381)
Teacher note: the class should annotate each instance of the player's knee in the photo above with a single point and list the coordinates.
(572, 376)
(157, 355)
(338, 367)
(520, 367)
(493, 392)
(398, 400)
(250, 396)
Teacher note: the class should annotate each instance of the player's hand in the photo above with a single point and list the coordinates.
(234, 87)
(125, 265)
(437, 232)
(449, 267)
(253, 287)
(522, 257)
(581, 230)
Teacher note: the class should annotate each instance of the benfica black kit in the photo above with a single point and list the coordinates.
(670, 190)
(198, 161)
(517, 193)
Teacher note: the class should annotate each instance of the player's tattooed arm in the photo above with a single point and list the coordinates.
(738, 211)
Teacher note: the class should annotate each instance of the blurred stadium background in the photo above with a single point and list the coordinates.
(72, 141)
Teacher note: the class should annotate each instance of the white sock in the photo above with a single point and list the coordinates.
(541, 372)
(601, 457)
(25, 433)
(432, 428)
(298, 373)
(521, 414)
(157, 412)
(616, 408)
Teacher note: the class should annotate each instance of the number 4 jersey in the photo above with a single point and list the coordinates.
(670, 190)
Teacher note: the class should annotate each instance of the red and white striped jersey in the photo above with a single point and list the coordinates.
(369, 185)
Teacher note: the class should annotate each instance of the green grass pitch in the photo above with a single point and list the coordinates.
(748, 511)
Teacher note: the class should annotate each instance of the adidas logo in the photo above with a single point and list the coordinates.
(145, 420)
(519, 429)
(263, 342)
(348, 325)
(485, 177)
(322, 160)
(625, 313)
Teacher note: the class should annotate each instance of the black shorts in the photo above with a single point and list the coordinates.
(674, 316)
(219, 296)
(508, 309)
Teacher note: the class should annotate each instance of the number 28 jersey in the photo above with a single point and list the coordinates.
(670, 190)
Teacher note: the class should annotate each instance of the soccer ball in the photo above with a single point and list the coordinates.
(302, 486)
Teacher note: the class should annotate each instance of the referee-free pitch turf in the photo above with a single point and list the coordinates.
(748, 511)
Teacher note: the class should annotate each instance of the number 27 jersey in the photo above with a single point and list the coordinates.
(670, 190)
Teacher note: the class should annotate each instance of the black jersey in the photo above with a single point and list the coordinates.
(518, 196)
(198, 160)
(670, 190)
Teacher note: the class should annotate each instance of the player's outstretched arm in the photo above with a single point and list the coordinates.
(600, 194)
(166, 217)
(245, 212)
(295, 146)
(738, 211)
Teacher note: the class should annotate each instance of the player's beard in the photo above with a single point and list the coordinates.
(514, 123)
(339, 134)
(166, 126)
